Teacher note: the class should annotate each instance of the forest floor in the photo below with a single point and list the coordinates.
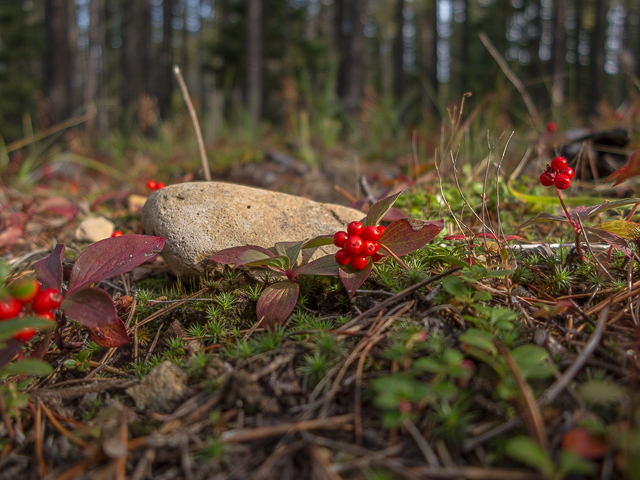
(482, 360)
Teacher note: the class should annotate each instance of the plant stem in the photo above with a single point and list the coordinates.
(576, 227)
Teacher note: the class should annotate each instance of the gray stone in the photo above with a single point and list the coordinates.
(199, 219)
(161, 389)
(94, 229)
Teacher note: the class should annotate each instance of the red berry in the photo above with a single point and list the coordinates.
(342, 257)
(359, 262)
(160, 185)
(381, 228)
(25, 334)
(9, 308)
(569, 172)
(353, 245)
(559, 164)
(117, 233)
(355, 228)
(339, 238)
(371, 233)
(47, 316)
(48, 299)
(377, 246)
(152, 185)
(545, 179)
(368, 248)
(25, 290)
(562, 182)
(375, 257)
(551, 127)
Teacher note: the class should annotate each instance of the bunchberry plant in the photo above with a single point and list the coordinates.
(80, 301)
(353, 267)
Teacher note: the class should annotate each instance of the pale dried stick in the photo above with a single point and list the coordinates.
(194, 120)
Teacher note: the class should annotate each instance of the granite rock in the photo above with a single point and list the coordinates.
(200, 218)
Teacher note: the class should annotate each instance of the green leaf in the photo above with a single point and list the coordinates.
(231, 255)
(572, 464)
(406, 236)
(280, 263)
(9, 327)
(622, 228)
(454, 286)
(379, 209)
(28, 366)
(320, 241)
(528, 451)
(478, 338)
(451, 260)
(601, 392)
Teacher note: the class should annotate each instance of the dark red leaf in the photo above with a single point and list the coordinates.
(379, 209)
(92, 307)
(57, 206)
(231, 255)
(631, 169)
(276, 303)
(8, 350)
(490, 236)
(112, 256)
(353, 279)
(11, 235)
(49, 270)
(406, 236)
(326, 265)
(111, 335)
(612, 239)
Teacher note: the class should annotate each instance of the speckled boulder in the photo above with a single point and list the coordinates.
(200, 218)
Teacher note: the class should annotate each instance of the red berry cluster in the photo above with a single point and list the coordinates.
(153, 185)
(357, 244)
(24, 292)
(558, 174)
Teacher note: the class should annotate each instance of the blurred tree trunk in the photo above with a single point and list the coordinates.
(597, 54)
(166, 57)
(557, 92)
(399, 80)
(254, 56)
(353, 51)
(133, 66)
(95, 89)
(60, 67)
(429, 46)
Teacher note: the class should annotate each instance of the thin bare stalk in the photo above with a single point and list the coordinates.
(194, 119)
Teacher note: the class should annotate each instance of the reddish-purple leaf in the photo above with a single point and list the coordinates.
(279, 264)
(510, 238)
(231, 255)
(57, 206)
(111, 335)
(320, 241)
(455, 237)
(11, 235)
(49, 270)
(251, 256)
(406, 236)
(631, 169)
(588, 212)
(326, 265)
(276, 303)
(112, 256)
(379, 209)
(490, 236)
(92, 307)
(543, 217)
(612, 239)
(353, 279)
(8, 351)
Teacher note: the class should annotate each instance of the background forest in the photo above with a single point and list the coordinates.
(320, 65)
